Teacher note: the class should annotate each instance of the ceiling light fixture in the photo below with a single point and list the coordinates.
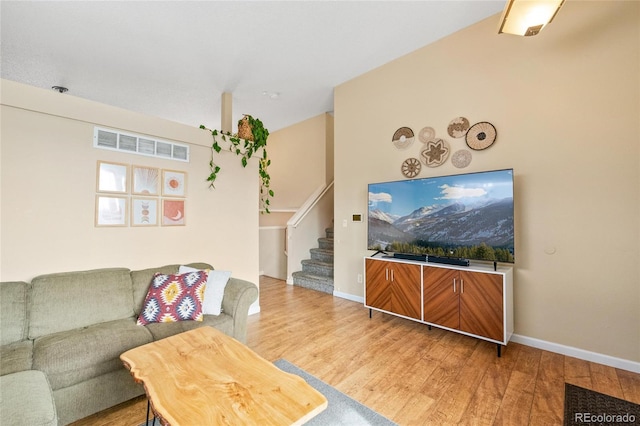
(528, 17)
(60, 89)
(271, 95)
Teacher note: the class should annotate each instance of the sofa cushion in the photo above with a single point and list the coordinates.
(14, 298)
(27, 400)
(16, 356)
(222, 322)
(174, 297)
(73, 356)
(142, 279)
(71, 300)
(214, 293)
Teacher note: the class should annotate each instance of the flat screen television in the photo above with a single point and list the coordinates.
(467, 216)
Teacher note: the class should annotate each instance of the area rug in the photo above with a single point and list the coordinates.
(341, 409)
(583, 406)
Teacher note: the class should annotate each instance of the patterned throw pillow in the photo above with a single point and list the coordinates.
(174, 298)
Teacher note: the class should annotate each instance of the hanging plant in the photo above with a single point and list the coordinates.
(251, 136)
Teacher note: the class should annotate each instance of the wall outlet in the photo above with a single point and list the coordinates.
(359, 278)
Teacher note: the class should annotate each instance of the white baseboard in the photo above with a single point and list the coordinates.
(611, 361)
(348, 296)
(254, 308)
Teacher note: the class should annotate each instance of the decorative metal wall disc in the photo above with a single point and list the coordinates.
(411, 167)
(458, 127)
(461, 158)
(427, 134)
(435, 152)
(481, 136)
(403, 137)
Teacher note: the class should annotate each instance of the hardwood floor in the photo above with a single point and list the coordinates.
(412, 375)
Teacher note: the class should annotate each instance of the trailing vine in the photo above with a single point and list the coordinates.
(245, 148)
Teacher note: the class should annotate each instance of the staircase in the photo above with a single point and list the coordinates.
(317, 272)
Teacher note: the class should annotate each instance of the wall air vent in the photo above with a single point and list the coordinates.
(139, 144)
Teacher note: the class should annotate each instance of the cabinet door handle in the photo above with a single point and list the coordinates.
(454, 285)
(392, 275)
(386, 274)
(461, 285)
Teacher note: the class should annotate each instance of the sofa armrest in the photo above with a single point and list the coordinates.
(238, 297)
(16, 356)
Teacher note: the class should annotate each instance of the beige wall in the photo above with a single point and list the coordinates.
(298, 161)
(48, 180)
(273, 261)
(566, 105)
(330, 147)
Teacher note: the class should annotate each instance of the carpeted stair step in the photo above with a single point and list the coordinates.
(313, 282)
(329, 232)
(322, 255)
(325, 243)
(316, 267)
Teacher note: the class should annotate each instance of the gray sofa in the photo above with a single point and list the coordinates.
(62, 335)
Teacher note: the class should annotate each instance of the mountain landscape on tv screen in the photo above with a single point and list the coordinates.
(459, 230)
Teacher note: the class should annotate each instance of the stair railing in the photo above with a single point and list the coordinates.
(306, 226)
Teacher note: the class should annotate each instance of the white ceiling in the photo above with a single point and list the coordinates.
(174, 59)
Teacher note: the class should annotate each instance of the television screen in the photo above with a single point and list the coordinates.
(467, 216)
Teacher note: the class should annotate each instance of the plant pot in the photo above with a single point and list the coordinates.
(244, 129)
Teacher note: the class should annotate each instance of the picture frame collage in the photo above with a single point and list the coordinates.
(144, 196)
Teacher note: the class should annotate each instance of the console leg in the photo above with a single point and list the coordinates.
(499, 350)
(370, 313)
(429, 326)
(148, 405)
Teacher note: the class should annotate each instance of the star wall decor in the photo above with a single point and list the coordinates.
(435, 152)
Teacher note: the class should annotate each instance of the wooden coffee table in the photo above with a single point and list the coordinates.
(204, 377)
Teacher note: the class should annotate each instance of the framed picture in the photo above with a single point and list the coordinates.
(111, 210)
(144, 212)
(173, 213)
(174, 183)
(112, 177)
(145, 180)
